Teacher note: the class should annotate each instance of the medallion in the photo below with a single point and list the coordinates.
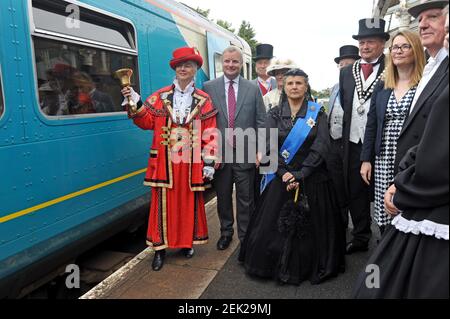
(361, 110)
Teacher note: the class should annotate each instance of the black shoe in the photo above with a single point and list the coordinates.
(352, 248)
(224, 242)
(158, 260)
(188, 252)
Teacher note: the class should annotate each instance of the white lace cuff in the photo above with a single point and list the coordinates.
(208, 172)
(134, 96)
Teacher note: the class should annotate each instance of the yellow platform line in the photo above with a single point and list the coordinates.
(67, 197)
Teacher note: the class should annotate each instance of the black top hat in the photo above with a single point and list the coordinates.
(372, 27)
(263, 51)
(348, 52)
(425, 5)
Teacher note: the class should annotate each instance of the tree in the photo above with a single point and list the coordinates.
(247, 33)
(204, 13)
(226, 25)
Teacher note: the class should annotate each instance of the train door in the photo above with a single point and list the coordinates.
(216, 45)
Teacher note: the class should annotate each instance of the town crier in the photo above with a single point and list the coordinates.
(182, 157)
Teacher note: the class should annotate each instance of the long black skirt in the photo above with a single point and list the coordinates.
(408, 266)
(315, 255)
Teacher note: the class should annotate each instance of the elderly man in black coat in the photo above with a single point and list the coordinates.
(356, 85)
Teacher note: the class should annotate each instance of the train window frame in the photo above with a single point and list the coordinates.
(35, 31)
(66, 39)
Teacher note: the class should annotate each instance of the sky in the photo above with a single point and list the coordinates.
(308, 31)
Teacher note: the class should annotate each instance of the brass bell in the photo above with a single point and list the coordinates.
(124, 76)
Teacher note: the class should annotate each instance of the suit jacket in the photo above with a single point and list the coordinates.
(250, 110)
(273, 83)
(347, 87)
(375, 123)
(103, 102)
(333, 96)
(415, 123)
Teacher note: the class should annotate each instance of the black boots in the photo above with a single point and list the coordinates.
(160, 255)
(158, 260)
(188, 252)
(224, 242)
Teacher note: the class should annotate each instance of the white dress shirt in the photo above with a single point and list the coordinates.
(182, 102)
(358, 124)
(428, 72)
(235, 86)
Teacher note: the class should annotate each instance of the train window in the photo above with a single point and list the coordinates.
(218, 67)
(75, 76)
(73, 79)
(68, 20)
(2, 104)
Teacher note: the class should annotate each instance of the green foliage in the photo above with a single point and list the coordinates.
(204, 13)
(247, 33)
(226, 25)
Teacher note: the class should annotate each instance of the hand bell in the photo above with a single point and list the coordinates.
(124, 76)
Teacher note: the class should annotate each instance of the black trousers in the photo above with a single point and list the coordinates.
(359, 198)
(336, 170)
(244, 179)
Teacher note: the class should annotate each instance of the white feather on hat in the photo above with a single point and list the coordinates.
(281, 64)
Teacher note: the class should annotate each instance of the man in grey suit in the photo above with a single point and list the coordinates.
(348, 54)
(240, 106)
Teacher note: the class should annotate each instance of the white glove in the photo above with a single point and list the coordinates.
(134, 96)
(208, 172)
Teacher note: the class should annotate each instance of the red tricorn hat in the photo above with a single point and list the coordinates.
(184, 54)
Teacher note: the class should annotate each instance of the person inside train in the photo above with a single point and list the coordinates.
(179, 115)
(89, 94)
(57, 96)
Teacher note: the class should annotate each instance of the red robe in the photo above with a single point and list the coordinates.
(175, 169)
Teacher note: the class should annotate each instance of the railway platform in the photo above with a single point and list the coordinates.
(213, 274)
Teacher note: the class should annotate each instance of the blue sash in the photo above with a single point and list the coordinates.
(295, 139)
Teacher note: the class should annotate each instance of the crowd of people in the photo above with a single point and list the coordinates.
(384, 138)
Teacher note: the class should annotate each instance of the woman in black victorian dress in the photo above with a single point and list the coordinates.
(310, 245)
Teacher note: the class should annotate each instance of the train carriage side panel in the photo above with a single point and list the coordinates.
(58, 158)
(75, 179)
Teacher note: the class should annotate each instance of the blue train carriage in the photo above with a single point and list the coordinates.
(72, 163)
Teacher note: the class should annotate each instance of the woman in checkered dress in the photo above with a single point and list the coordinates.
(389, 110)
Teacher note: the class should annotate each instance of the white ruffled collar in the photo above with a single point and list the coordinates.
(189, 88)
